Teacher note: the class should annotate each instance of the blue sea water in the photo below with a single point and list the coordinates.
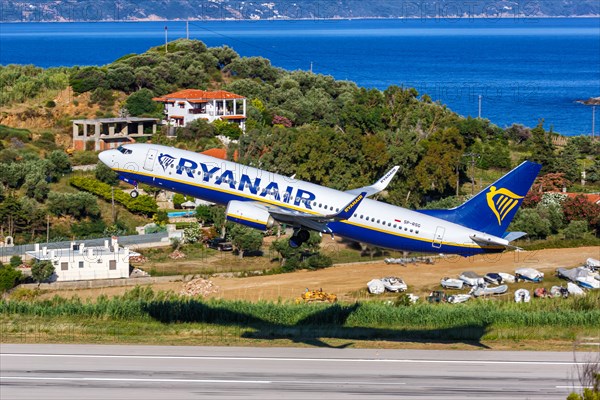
(524, 69)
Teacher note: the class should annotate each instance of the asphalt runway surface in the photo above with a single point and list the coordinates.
(162, 372)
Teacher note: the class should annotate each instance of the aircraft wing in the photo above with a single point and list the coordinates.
(378, 186)
(317, 222)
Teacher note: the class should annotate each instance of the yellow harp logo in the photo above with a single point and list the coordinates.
(501, 201)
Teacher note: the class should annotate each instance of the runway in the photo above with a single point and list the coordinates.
(128, 372)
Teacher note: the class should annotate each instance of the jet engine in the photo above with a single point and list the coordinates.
(249, 214)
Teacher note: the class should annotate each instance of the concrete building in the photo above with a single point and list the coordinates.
(110, 133)
(188, 105)
(79, 262)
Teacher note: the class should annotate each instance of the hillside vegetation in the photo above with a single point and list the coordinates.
(322, 130)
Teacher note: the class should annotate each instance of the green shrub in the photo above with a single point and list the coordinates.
(50, 104)
(576, 230)
(15, 261)
(9, 277)
(142, 204)
(7, 133)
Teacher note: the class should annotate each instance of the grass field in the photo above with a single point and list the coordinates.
(143, 316)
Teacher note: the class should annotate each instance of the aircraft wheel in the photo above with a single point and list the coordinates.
(298, 238)
(134, 194)
(303, 235)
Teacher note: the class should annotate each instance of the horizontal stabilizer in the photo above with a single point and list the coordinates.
(511, 236)
(378, 186)
(487, 240)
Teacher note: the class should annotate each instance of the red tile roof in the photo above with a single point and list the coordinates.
(216, 153)
(591, 197)
(220, 153)
(196, 95)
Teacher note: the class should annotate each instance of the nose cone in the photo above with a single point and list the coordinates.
(108, 158)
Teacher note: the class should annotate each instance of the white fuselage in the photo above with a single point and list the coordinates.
(221, 181)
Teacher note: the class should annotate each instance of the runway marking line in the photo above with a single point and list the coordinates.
(233, 358)
(172, 380)
(145, 380)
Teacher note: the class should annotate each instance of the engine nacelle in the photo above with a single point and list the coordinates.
(249, 214)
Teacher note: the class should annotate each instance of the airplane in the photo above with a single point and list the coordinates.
(261, 199)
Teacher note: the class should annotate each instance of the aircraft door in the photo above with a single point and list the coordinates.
(438, 237)
(150, 158)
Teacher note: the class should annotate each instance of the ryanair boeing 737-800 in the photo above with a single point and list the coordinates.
(260, 199)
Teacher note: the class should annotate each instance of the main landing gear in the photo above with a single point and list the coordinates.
(299, 237)
(134, 193)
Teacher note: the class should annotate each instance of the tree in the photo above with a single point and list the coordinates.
(41, 271)
(204, 214)
(178, 200)
(227, 129)
(579, 208)
(567, 162)
(436, 172)
(140, 103)
(196, 129)
(59, 165)
(78, 205)
(9, 277)
(161, 217)
(576, 230)
(86, 79)
(542, 148)
(529, 220)
(104, 174)
(16, 261)
(246, 239)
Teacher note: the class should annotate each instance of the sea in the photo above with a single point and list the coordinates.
(512, 70)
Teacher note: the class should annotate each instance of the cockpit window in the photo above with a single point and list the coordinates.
(124, 150)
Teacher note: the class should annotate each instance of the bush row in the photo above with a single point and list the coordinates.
(142, 204)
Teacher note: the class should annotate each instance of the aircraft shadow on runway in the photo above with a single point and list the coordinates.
(330, 322)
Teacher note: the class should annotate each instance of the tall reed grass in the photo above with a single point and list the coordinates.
(143, 304)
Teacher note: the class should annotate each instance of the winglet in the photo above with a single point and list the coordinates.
(349, 209)
(378, 186)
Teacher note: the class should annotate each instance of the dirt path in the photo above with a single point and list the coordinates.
(349, 281)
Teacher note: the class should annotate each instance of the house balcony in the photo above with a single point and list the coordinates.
(197, 111)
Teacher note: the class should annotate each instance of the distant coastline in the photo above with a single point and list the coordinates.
(410, 18)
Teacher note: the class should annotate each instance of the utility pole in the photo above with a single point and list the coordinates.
(187, 29)
(47, 228)
(479, 114)
(457, 180)
(473, 157)
(593, 121)
(166, 39)
(112, 193)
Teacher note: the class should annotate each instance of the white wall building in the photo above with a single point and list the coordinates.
(188, 105)
(79, 262)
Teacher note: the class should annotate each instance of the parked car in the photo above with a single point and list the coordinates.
(220, 244)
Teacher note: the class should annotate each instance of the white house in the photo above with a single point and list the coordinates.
(79, 262)
(188, 105)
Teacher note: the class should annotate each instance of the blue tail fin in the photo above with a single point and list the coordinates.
(492, 209)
